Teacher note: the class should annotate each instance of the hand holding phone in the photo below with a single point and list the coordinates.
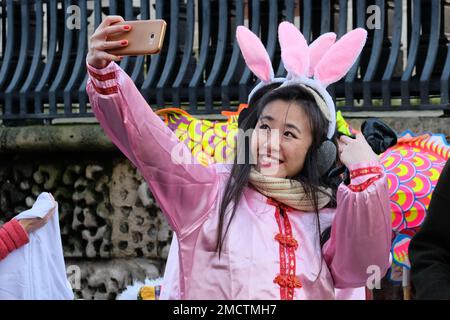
(111, 40)
(145, 37)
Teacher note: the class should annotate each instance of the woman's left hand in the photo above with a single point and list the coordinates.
(353, 151)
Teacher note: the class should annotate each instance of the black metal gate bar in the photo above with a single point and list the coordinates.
(235, 65)
(7, 59)
(171, 54)
(187, 53)
(289, 6)
(413, 49)
(155, 61)
(43, 73)
(306, 14)
(137, 74)
(79, 70)
(394, 53)
(430, 60)
(20, 71)
(55, 90)
(325, 16)
(351, 78)
(82, 96)
(26, 89)
(444, 79)
(377, 46)
(255, 27)
(41, 90)
(219, 57)
(205, 30)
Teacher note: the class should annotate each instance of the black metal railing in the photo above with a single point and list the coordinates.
(404, 66)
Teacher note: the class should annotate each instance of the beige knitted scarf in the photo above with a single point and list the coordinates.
(287, 191)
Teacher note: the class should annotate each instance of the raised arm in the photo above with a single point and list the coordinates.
(361, 231)
(184, 189)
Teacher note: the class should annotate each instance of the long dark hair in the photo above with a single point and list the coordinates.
(309, 176)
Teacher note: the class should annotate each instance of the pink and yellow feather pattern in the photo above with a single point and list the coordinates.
(209, 141)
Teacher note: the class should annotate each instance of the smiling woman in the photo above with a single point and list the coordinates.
(244, 233)
(288, 133)
(290, 129)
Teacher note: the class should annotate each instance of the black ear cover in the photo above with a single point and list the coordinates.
(326, 156)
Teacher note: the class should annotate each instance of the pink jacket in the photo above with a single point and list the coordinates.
(12, 237)
(190, 194)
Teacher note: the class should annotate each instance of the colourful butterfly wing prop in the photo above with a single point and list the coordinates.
(413, 167)
(209, 141)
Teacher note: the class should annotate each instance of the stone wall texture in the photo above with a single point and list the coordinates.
(111, 228)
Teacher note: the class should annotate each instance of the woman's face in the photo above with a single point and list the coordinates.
(281, 139)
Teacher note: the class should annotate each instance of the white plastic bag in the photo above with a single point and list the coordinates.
(37, 270)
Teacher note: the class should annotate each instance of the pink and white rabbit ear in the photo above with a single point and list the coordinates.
(318, 48)
(340, 57)
(294, 49)
(255, 54)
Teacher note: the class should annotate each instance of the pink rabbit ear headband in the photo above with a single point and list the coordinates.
(314, 67)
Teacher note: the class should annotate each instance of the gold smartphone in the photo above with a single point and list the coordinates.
(145, 37)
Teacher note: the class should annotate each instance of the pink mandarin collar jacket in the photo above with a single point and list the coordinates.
(190, 194)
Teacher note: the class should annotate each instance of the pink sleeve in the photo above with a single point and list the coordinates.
(184, 189)
(171, 289)
(361, 231)
(12, 237)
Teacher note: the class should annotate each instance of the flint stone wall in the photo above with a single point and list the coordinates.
(111, 228)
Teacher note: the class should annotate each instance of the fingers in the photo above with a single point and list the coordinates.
(360, 137)
(52, 211)
(341, 146)
(108, 45)
(109, 20)
(98, 47)
(345, 140)
(52, 199)
(107, 56)
(49, 214)
(98, 52)
(104, 33)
